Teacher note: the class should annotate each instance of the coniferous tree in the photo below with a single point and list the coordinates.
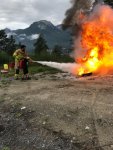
(11, 46)
(57, 50)
(3, 40)
(7, 44)
(19, 44)
(40, 46)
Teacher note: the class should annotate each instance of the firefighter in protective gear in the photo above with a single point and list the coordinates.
(21, 62)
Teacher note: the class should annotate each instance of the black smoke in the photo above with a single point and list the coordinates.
(76, 14)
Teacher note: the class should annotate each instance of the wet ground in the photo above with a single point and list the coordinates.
(57, 112)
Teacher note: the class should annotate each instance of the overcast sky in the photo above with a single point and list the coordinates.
(16, 14)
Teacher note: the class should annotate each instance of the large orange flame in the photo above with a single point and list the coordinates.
(97, 42)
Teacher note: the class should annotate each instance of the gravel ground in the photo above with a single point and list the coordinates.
(57, 112)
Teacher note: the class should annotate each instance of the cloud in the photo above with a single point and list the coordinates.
(20, 14)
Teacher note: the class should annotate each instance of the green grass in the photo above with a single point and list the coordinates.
(33, 69)
(5, 148)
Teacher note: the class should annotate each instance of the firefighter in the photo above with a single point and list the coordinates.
(21, 62)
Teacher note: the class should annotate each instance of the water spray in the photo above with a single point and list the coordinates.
(65, 67)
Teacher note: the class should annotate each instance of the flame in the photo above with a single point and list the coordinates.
(97, 42)
(81, 71)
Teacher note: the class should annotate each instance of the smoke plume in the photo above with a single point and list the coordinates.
(78, 8)
(76, 14)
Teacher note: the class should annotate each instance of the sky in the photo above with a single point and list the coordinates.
(19, 14)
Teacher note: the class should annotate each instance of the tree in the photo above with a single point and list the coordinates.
(40, 46)
(11, 46)
(7, 44)
(3, 40)
(109, 2)
(57, 51)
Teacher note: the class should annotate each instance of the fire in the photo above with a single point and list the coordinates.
(81, 71)
(97, 41)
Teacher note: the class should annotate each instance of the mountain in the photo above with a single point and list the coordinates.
(59, 27)
(54, 35)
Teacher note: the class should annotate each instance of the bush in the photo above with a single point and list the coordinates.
(53, 57)
(4, 57)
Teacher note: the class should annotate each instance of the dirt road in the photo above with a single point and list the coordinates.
(57, 112)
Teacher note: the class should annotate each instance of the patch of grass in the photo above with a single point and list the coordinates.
(5, 76)
(33, 69)
(5, 148)
(37, 68)
(2, 99)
